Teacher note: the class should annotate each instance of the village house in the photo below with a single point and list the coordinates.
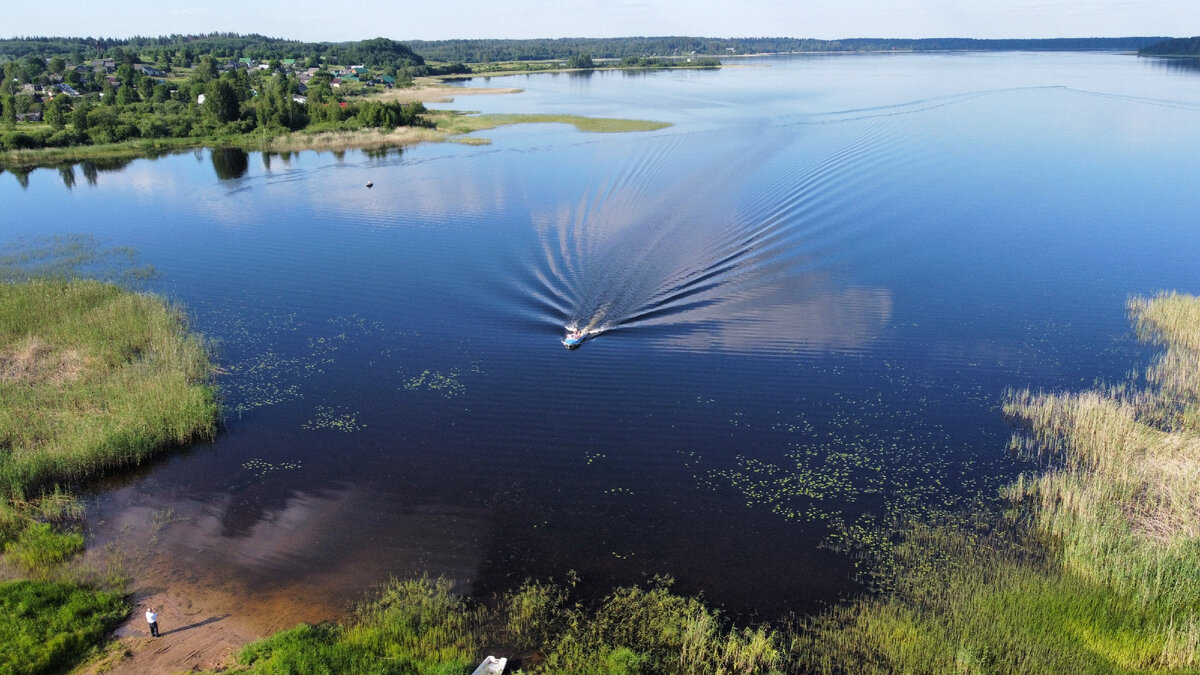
(149, 70)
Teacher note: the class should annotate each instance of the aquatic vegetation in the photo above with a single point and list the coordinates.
(334, 418)
(455, 124)
(1092, 568)
(968, 593)
(1122, 493)
(92, 378)
(856, 465)
(70, 256)
(268, 359)
(261, 468)
(415, 625)
(448, 384)
(40, 547)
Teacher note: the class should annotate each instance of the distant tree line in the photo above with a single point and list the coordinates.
(1173, 47)
(485, 51)
(185, 50)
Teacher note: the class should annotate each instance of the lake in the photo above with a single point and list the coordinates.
(804, 302)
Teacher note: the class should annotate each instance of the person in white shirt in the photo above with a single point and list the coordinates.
(152, 619)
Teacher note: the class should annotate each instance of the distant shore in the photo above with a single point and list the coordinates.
(448, 126)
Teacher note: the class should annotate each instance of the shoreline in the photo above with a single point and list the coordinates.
(450, 126)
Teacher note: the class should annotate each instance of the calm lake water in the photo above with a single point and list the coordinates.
(807, 298)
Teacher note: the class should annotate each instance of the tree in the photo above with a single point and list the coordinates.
(128, 94)
(9, 112)
(79, 116)
(580, 61)
(220, 99)
(206, 70)
(56, 111)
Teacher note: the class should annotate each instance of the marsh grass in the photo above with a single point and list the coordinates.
(635, 630)
(1122, 495)
(93, 378)
(969, 597)
(420, 626)
(411, 626)
(1093, 565)
(39, 548)
(366, 139)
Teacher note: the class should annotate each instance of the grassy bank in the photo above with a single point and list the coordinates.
(449, 125)
(420, 626)
(92, 378)
(45, 627)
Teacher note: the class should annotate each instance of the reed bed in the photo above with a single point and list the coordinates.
(1122, 498)
(1088, 565)
(93, 378)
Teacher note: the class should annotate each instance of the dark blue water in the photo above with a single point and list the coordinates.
(804, 302)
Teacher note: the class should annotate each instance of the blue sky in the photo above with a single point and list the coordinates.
(438, 19)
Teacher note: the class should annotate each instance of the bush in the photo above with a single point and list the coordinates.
(20, 140)
(65, 138)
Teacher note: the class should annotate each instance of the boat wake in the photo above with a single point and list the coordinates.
(729, 242)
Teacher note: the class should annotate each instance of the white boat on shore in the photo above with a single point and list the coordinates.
(491, 666)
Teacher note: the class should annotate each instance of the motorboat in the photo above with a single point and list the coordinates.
(573, 338)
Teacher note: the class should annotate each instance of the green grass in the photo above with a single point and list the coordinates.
(1123, 495)
(93, 378)
(420, 626)
(412, 626)
(46, 627)
(39, 547)
(963, 599)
